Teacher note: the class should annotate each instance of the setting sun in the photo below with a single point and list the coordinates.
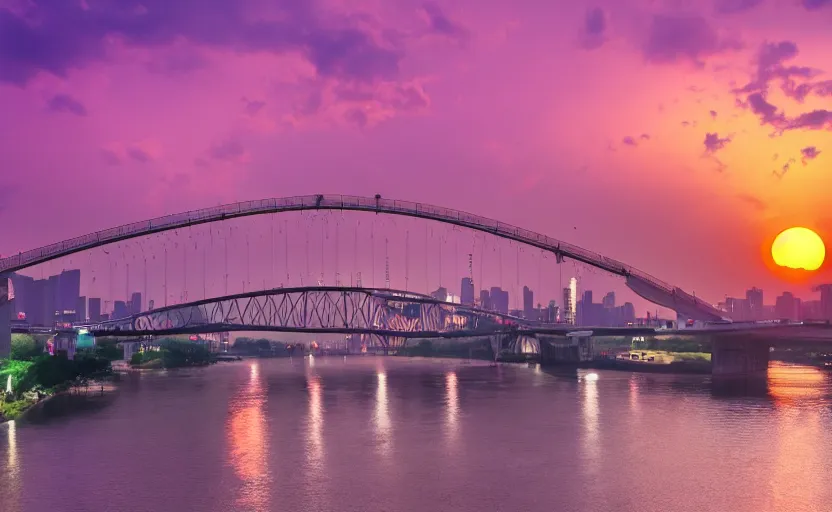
(798, 248)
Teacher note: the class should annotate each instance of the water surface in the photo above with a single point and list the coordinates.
(389, 434)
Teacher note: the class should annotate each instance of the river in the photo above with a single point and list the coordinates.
(394, 434)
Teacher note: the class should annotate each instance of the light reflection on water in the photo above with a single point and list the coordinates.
(249, 450)
(379, 433)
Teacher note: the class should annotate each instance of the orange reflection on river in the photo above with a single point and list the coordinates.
(788, 384)
(248, 442)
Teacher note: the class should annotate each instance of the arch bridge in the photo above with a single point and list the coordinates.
(642, 283)
(389, 315)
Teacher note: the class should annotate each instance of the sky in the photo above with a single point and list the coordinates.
(677, 136)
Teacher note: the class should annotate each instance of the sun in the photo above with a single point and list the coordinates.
(798, 248)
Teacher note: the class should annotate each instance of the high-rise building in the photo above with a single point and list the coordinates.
(120, 310)
(95, 309)
(81, 310)
(825, 301)
(136, 303)
(754, 296)
(499, 300)
(528, 304)
(787, 307)
(609, 300)
(466, 292)
(485, 300)
(570, 301)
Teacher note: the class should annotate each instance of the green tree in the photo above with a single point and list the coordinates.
(25, 347)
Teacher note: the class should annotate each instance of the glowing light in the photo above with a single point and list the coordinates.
(452, 404)
(248, 442)
(382, 415)
(591, 376)
(798, 248)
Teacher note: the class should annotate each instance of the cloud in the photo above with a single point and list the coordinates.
(811, 5)
(815, 120)
(735, 6)
(441, 24)
(799, 92)
(594, 31)
(66, 103)
(228, 151)
(138, 154)
(767, 112)
(770, 65)
(629, 141)
(714, 143)
(783, 170)
(56, 37)
(110, 156)
(809, 153)
(253, 106)
(713, 114)
(680, 38)
(753, 201)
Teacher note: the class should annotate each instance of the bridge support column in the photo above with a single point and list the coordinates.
(6, 309)
(739, 357)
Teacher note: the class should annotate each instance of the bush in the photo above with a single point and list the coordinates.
(25, 347)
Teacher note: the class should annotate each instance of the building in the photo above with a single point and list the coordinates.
(46, 301)
(120, 310)
(787, 307)
(754, 296)
(135, 304)
(485, 299)
(94, 309)
(441, 293)
(499, 300)
(737, 309)
(825, 301)
(466, 292)
(81, 310)
(609, 300)
(528, 304)
(570, 301)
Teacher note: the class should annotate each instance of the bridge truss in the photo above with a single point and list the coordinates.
(385, 314)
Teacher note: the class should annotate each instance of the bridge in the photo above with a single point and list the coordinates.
(388, 314)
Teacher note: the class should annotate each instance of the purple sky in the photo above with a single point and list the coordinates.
(677, 136)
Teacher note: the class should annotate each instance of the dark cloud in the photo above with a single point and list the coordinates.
(767, 112)
(253, 106)
(629, 141)
(644, 136)
(714, 143)
(439, 23)
(735, 6)
(110, 156)
(594, 30)
(673, 39)
(713, 114)
(814, 120)
(800, 91)
(770, 66)
(812, 5)
(139, 155)
(809, 153)
(229, 150)
(55, 37)
(66, 103)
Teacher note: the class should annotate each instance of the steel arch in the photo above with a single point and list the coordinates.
(642, 283)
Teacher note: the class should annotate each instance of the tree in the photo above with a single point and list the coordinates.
(25, 348)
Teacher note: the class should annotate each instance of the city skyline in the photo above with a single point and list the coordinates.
(698, 83)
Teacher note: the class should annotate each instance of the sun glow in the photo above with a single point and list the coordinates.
(798, 248)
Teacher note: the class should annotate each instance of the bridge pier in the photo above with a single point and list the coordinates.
(739, 357)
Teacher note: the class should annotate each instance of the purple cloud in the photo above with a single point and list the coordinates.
(714, 143)
(713, 114)
(629, 141)
(683, 38)
(441, 24)
(139, 155)
(593, 32)
(253, 106)
(815, 120)
(735, 6)
(764, 110)
(812, 5)
(68, 36)
(227, 151)
(66, 103)
(809, 153)
(783, 170)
